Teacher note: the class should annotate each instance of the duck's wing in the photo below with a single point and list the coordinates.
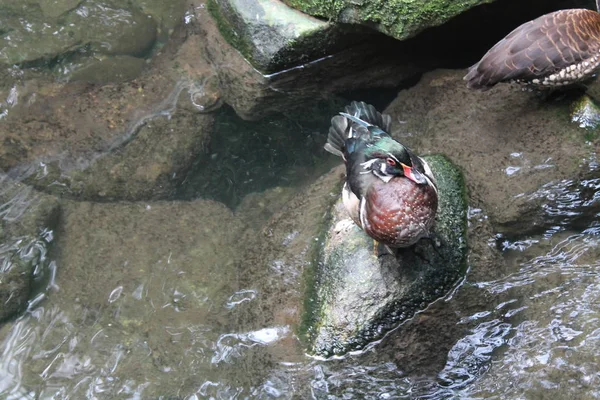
(539, 48)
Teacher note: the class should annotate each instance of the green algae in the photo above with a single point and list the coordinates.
(228, 30)
(273, 36)
(312, 312)
(400, 19)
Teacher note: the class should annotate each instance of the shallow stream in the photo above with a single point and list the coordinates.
(146, 299)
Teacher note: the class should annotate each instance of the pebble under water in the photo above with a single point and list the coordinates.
(150, 299)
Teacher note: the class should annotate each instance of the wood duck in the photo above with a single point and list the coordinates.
(389, 191)
(558, 49)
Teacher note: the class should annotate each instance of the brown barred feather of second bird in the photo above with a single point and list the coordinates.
(556, 49)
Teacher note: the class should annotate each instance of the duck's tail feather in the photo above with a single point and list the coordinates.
(353, 123)
(370, 115)
(336, 139)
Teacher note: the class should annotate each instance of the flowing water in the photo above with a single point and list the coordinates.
(145, 299)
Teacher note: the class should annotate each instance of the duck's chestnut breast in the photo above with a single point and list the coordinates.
(398, 213)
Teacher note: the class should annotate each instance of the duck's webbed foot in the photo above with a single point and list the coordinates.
(380, 249)
(422, 249)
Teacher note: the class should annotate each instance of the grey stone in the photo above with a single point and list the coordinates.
(358, 297)
(129, 140)
(400, 19)
(55, 8)
(37, 33)
(108, 70)
(271, 35)
(513, 146)
(254, 94)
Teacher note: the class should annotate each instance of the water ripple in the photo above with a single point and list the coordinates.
(231, 345)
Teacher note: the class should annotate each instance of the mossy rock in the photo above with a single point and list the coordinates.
(400, 19)
(274, 37)
(357, 297)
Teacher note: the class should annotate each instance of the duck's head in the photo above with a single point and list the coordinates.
(388, 159)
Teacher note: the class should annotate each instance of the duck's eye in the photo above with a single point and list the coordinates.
(391, 162)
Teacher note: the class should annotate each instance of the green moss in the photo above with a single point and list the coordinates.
(234, 38)
(318, 8)
(398, 18)
(311, 304)
(590, 136)
(452, 207)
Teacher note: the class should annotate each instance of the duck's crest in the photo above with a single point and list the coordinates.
(360, 116)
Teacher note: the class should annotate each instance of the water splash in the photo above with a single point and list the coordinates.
(230, 346)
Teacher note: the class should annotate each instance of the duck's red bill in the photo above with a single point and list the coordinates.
(413, 174)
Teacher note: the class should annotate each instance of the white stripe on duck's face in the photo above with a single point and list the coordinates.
(390, 155)
(379, 170)
(368, 165)
(362, 213)
(429, 175)
(382, 174)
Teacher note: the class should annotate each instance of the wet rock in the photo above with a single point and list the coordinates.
(370, 62)
(283, 255)
(203, 96)
(142, 164)
(567, 204)
(154, 236)
(55, 8)
(108, 70)
(27, 222)
(117, 141)
(509, 143)
(111, 28)
(273, 36)
(358, 297)
(258, 208)
(39, 33)
(400, 19)
(151, 279)
(585, 113)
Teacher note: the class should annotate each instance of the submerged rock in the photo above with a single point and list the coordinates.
(146, 282)
(55, 8)
(44, 32)
(359, 297)
(27, 222)
(130, 140)
(121, 144)
(107, 70)
(113, 28)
